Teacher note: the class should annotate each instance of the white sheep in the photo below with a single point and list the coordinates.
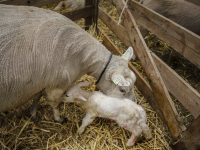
(125, 112)
(42, 51)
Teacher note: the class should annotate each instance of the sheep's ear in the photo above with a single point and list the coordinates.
(128, 54)
(119, 80)
(80, 97)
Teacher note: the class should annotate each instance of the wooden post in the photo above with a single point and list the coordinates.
(96, 11)
(159, 89)
(88, 20)
(189, 139)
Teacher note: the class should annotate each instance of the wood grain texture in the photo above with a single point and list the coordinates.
(79, 13)
(186, 94)
(37, 3)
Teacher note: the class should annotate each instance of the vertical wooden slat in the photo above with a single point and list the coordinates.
(159, 89)
(88, 20)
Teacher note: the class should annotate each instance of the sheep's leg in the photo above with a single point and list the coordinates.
(146, 131)
(34, 107)
(62, 3)
(88, 119)
(56, 112)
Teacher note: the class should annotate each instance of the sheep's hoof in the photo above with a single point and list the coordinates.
(62, 120)
(35, 119)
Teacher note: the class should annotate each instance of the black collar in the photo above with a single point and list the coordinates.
(104, 68)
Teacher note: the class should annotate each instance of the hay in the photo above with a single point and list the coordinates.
(19, 132)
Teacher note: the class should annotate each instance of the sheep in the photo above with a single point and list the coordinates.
(42, 51)
(125, 112)
(72, 4)
(182, 12)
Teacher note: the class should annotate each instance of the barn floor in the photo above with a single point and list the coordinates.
(19, 132)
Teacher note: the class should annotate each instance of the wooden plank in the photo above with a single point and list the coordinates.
(190, 139)
(88, 20)
(186, 95)
(112, 24)
(182, 40)
(79, 13)
(142, 85)
(158, 87)
(38, 3)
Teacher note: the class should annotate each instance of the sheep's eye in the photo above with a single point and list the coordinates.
(123, 91)
(67, 96)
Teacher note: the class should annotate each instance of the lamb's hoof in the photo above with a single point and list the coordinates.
(148, 137)
(129, 144)
(80, 131)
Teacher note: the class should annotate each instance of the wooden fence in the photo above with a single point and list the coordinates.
(162, 79)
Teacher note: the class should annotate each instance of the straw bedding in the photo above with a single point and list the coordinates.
(19, 132)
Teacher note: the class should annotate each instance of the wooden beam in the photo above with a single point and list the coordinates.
(38, 3)
(189, 139)
(142, 85)
(112, 25)
(158, 87)
(186, 94)
(182, 40)
(79, 13)
(88, 20)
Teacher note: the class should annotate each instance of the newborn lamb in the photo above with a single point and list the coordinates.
(125, 112)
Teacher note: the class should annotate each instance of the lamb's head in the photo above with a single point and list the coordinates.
(118, 80)
(75, 93)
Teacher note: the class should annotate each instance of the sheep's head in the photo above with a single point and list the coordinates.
(118, 80)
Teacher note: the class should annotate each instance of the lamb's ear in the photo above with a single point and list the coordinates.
(128, 54)
(80, 97)
(119, 80)
(83, 84)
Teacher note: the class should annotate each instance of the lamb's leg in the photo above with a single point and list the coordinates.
(146, 131)
(131, 140)
(56, 112)
(136, 131)
(62, 3)
(88, 119)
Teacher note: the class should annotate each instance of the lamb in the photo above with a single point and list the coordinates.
(72, 4)
(125, 112)
(42, 51)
